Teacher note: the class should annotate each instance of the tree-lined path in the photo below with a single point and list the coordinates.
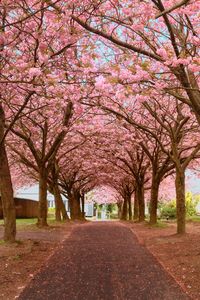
(102, 260)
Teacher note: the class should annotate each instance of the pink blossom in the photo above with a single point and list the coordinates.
(34, 72)
(162, 52)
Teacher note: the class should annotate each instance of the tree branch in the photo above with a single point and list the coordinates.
(115, 40)
(169, 10)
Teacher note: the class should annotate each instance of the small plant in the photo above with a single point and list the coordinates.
(159, 225)
(168, 210)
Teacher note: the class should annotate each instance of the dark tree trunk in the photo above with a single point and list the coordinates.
(130, 213)
(124, 210)
(8, 204)
(6, 188)
(140, 197)
(75, 207)
(83, 206)
(119, 205)
(154, 199)
(42, 207)
(180, 200)
(57, 205)
(136, 206)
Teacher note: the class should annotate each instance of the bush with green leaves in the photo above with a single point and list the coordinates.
(168, 209)
(191, 203)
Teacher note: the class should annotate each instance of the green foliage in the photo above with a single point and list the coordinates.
(111, 207)
(112, 210)
(114, 215)
(168, 210)
(191, 203)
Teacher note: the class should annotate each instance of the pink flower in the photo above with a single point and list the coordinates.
(194, 68)
(2, 40)
(34, 72)
(99, 82)
(162, 52)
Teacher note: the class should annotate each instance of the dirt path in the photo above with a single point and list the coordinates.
(102, 260)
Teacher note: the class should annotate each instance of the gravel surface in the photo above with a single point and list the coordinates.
(102, 260)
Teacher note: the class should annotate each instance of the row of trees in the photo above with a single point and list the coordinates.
(98, 93)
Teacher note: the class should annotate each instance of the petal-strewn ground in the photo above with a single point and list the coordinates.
(103, 260)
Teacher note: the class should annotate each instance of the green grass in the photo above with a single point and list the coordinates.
(194, 218)
(23, 221)
(51, 210)
(27, 223)
(159, 224)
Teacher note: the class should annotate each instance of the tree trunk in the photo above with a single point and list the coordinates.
(6, 188)
(83, 206)
(57, 205)
(42, 207)
(8, 204)
(130, 213)
(136, 206)
(119, 205)
(75, 208)
(180, 200)
(154, 199)
(140, 197)
(124, 210)
(61, 209)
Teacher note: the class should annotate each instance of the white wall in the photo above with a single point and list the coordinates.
(31, 193)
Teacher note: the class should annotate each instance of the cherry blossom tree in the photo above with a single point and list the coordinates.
(32, 41)
(161, 39)
(126, 70)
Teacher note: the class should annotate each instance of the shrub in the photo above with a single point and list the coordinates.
(168, 211)
(191, 203)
